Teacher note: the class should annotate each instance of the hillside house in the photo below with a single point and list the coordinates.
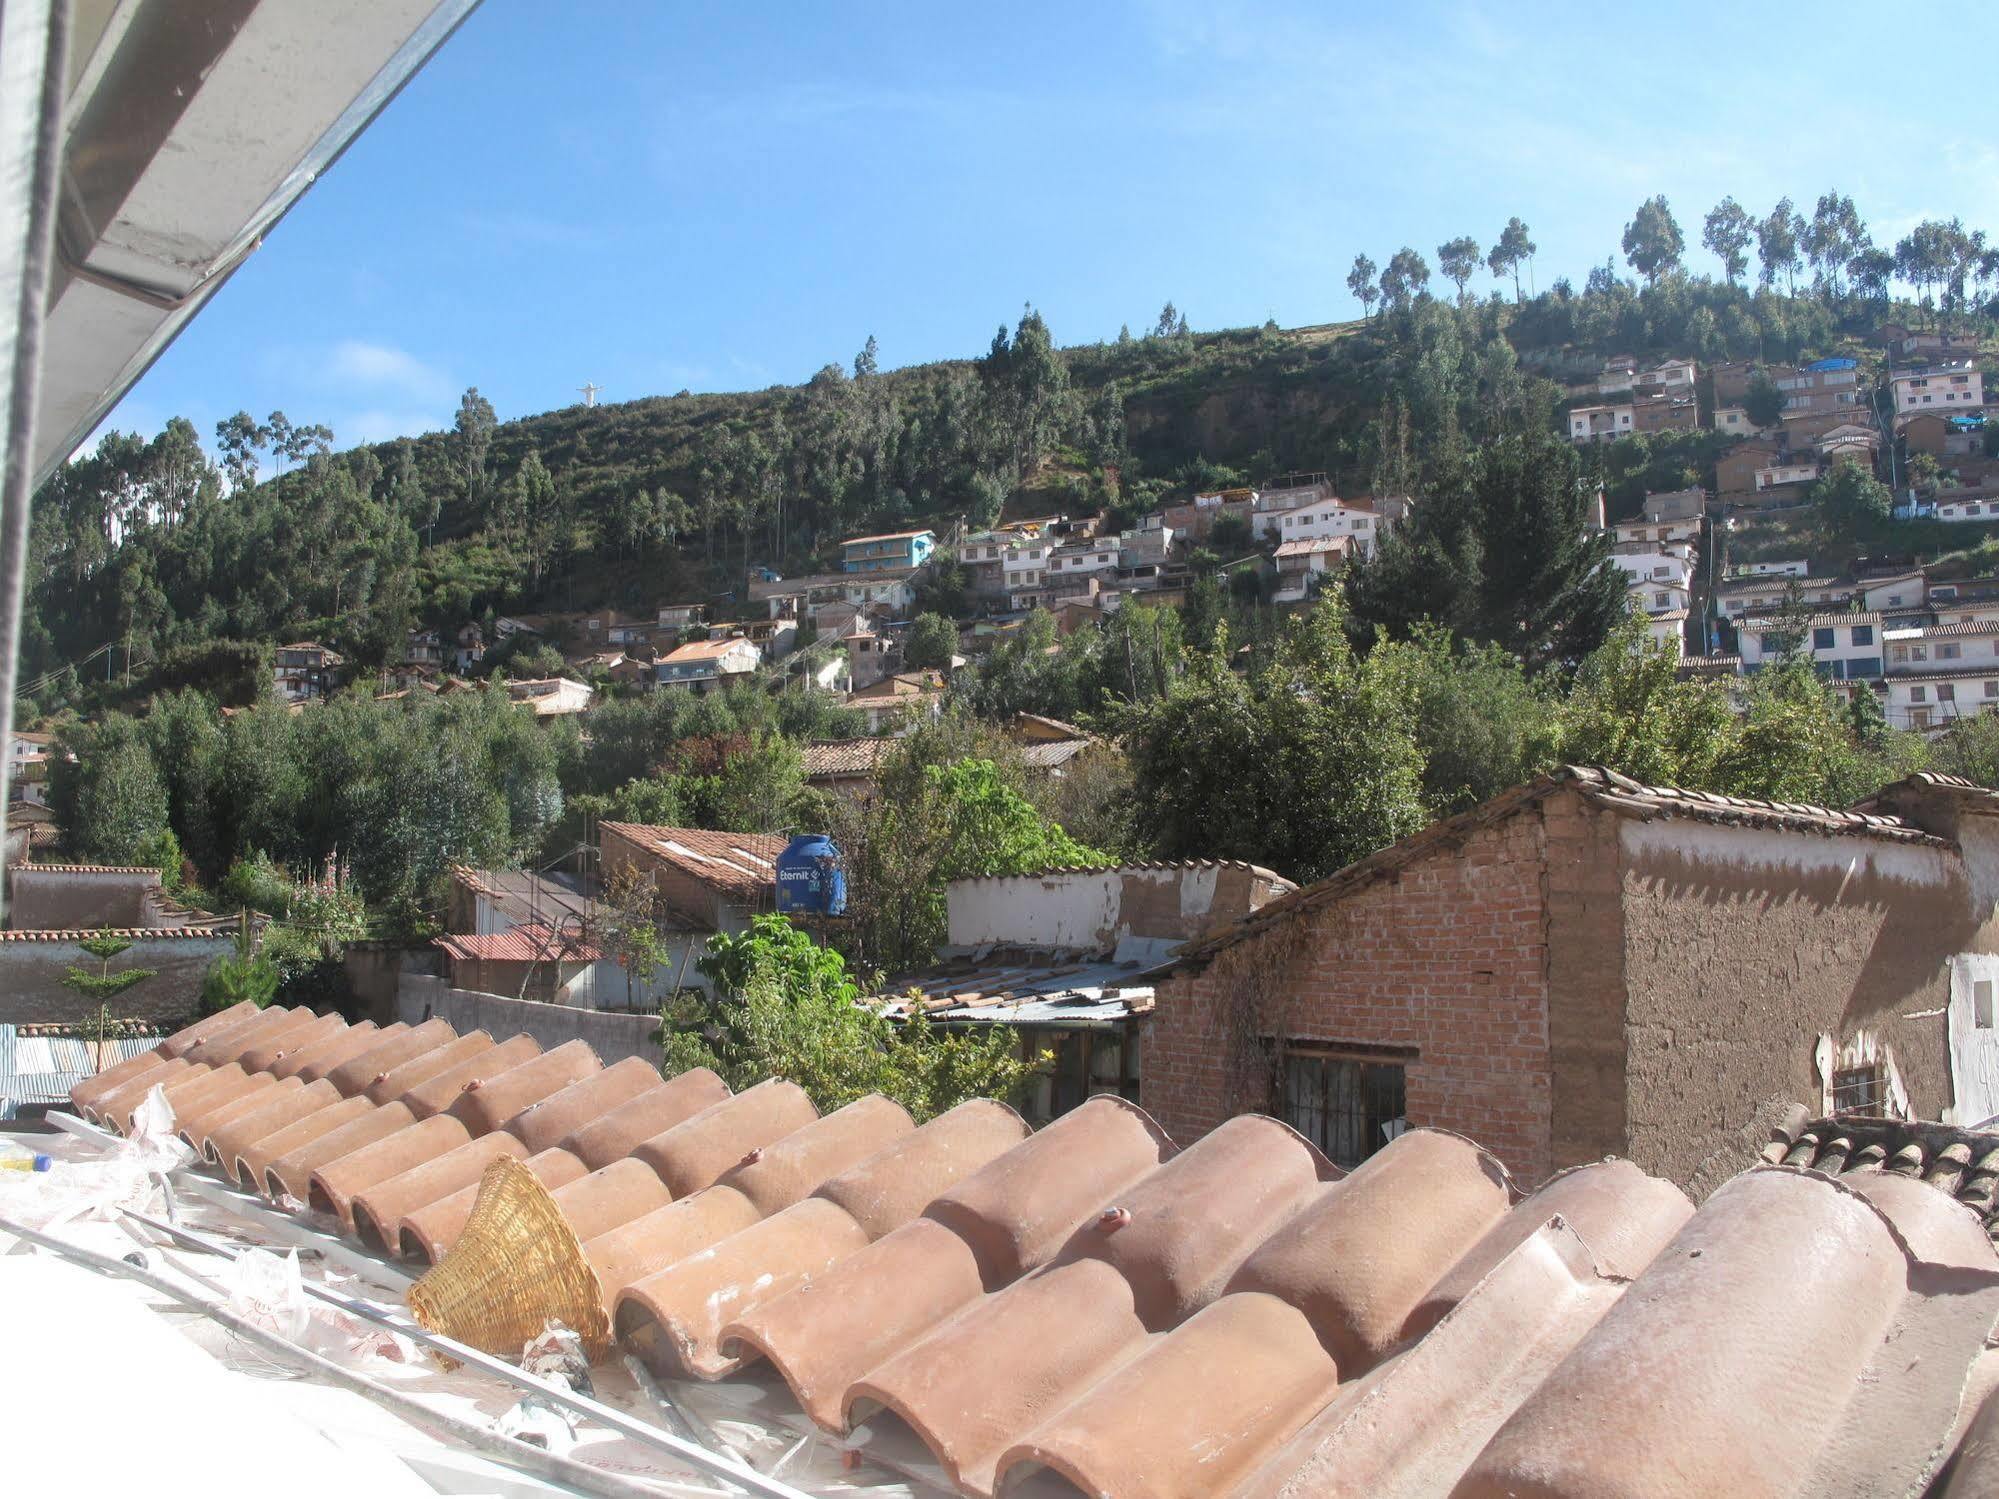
(898, 699)
(702, 882)
(541, 963)
(1734, 421)
(1147, 544)
(1666, 630)
(1657, 564)
(707, 665)
(1585, 966)
(1302, 565)
(1098, 555)
(1196, 519)
(1660, 597)
(1600, 423)
(1846, 647)
(1824, 385)
(1951, 386)
(1905, 343)
(679, 616)
(1355, 520)
(552, 697)
(894, 551)
(306, 671)
(1781, 567)
(1980, 506)
(425, 649)
(1672, 377)
(1937, 697)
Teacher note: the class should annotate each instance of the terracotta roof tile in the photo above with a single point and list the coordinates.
(1240, 1317)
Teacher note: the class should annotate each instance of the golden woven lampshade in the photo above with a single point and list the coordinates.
(517, 1264)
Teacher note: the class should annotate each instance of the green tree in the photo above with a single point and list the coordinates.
(1728, 232)
(1832, 239)
(1850, 500)
(1514, 250)
(244, 976)
(1459, 260)
(104, 984)
(106, 791)
(1764, 401)
(1652, 240)
(1483, 724)
(785, 1007)
(1361, 282)
(1503, 550)
(930, 644)
(473, 431)
(1777, 244)
(1332, 737)
(1405, 278)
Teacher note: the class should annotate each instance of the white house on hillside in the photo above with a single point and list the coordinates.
(705, 665)
(1354, 519)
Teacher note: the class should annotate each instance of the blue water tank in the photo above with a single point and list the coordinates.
(810, 881)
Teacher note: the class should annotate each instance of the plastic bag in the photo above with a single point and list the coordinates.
(556, 1355)
(269, 1292)
(130, 1174)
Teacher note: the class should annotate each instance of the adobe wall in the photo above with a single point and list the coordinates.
(1586, 981)
(1742, 947)
(686, 898)
(612, 1036)
(31, 970)
(1445, 959)
(70, 899)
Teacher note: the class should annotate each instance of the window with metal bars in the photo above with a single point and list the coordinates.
(1347, 1106)
(1859, 1090)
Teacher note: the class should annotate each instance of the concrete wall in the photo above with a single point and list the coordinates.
(31, 970)
(1743, 947)
(70, 899)
(612, 1036)
(375, 972)
(1442, 966)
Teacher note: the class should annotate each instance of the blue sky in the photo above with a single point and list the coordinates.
(656, 196)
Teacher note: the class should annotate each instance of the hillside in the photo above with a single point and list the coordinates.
(185, 570)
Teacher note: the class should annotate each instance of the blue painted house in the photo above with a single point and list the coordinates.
(898, 551)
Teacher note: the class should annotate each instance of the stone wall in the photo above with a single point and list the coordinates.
(612, 1036)
(32, 966)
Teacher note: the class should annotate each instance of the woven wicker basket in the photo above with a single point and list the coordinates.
(517, 1264)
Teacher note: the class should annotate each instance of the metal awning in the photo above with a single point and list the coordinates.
(189, 130)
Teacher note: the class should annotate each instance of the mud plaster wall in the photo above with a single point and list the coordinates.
(613, 1037)
(1742, 946)
(1445, 958)
(71, 899)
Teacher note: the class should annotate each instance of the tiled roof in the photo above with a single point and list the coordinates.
(703, 650)
(1603, 788)
(854, 541)
(902, 684)
(1948, 632)
(1962, 1163)
(736, 864)
(845, 757)
(223, 927)
(90, 869)
(1237, 1317)
(1313, 546)
(519, 944)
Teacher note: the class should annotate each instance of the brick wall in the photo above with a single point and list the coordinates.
(1586, 988)
(1445, 959)
(31, 970)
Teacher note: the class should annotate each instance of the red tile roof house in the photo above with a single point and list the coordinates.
(1586, 966)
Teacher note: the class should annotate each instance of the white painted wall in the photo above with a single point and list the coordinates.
(1974, 1047)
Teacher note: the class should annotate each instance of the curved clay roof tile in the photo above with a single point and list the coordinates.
(357, 1072)
(551, 1120)
(398, 1080)
(694, 1153)
(380, 1208)
(226, 1144)
(488, 1103)
(442, 1089)
(618, 1133)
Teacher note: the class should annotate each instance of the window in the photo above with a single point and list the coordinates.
(1858, 1090)
(1971, 510)
(1946, 692)
(1661, 601)
(1992, 689)
(1898, 653)
(1863, 634)
(1981, 1004)
(1347, 1106)
(1823, 640)
(1947, 651)
(1919, 694)
(1919, 653)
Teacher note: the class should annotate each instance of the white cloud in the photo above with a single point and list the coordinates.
(381, 367)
